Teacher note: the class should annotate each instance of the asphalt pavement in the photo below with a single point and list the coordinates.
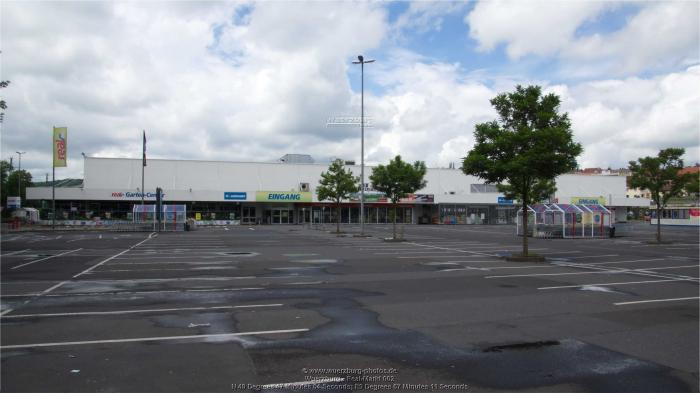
(298, 308)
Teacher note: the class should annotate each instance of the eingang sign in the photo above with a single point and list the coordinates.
(282, 196)
(588, 201)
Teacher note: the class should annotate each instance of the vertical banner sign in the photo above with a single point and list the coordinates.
(60, 146)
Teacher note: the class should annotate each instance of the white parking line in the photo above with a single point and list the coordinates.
(142, 339)
(594, 256)
(43, 259)
(116, 293)
(614, 283)
(658, 300)
(14, 252)
(153, 310)
(88, 270)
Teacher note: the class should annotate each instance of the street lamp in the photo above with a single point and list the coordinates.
(19, 174)
(361, 61)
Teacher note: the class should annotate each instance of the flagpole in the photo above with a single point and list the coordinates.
(53, 181)
(143, 176)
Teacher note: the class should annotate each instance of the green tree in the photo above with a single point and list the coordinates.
(13, 183)
(523, 151)
(5, 169)
(692, 186)
(3, 104)
(398, 179)
(337, 184)
(660, 176)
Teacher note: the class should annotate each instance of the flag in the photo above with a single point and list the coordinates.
(144, 147)
(60, 146)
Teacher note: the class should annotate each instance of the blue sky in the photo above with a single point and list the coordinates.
(251, 81)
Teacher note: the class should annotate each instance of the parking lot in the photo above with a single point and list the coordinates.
(289, 308)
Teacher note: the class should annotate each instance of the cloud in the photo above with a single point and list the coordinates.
(529, 27)
(659, 36)
(253, 81)
(206, 80)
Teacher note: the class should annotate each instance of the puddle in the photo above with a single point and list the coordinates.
(315, 261)
(238, 253)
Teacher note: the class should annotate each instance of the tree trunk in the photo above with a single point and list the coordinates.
(337, 217)
(394, 221)
(658, 223)
(526, 215)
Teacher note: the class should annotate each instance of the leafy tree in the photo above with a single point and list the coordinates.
(3, 105)
(5, 169)
(660, 176)
(12, 184)
(692, 186)
(523, 151)
(337, 184)
(398, 179)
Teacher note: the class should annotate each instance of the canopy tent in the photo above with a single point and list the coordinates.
(559, 220)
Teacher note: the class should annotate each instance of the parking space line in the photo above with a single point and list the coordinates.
(143, 339)
(14, 252)
(657, 300)
(43, 259)
(88, 270)
(615, 283)
(153, 310)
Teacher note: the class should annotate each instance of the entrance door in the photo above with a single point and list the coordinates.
(248, 216)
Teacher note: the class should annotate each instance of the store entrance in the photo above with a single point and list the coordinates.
(281, 216)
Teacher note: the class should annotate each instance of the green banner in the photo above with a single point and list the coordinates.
(282, 196)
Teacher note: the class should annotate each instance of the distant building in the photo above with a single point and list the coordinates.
(296, 159)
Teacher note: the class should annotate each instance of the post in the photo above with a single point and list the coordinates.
(362, 149)
(19, 176)
(53, 197)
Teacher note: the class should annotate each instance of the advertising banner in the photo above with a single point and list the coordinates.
(504, 201)
(14, 202)
(60, 146)
(282, 196)
(600, 200)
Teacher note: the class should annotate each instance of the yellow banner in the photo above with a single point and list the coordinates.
(282, 196)
(600, 200)
(60, 146)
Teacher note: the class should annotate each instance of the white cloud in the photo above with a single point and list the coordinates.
(220, 81)
(529, 27)
(660, 35)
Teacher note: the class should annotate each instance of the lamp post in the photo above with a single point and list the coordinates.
(19, 174)
(361, 61)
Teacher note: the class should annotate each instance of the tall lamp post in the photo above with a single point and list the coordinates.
(361, 61)
(19, 174)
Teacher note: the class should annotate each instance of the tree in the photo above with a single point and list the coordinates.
(5, 169)
(525, 149)
(660, 176)
(398, 179)
(692, 186)
(337, 184)
(13, 183)
(3, 105)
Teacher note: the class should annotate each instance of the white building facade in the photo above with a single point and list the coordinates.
(283, 193)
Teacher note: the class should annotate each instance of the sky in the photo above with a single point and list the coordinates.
(252, 81)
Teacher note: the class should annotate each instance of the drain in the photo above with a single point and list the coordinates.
(521, 346)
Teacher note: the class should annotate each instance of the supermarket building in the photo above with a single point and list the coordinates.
(285, 193)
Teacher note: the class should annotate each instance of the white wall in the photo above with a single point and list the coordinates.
(208, 180)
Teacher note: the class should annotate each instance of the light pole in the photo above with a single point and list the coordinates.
(361, 61)
(19, 174)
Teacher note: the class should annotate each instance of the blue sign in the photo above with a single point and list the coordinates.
(504, 201)
(235, 196)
